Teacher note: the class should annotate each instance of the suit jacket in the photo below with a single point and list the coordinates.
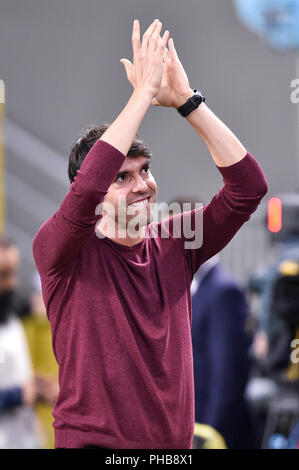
(221, 362)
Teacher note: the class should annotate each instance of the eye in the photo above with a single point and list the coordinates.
(146, 169)
(121, 179)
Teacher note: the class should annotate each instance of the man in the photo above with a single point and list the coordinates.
(118, 299)
(221, 354)
(18, 392)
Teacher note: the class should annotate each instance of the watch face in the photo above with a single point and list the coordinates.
(196, 99)
(191, 104)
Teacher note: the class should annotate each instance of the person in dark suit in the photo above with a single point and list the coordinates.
(220, 350)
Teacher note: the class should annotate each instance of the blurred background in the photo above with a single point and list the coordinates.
(61, 71)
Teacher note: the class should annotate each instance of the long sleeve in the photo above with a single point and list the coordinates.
(244, 187)
(60, 239)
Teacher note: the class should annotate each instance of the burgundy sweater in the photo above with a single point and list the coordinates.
(120, 316)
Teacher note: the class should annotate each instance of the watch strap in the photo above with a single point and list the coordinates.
(192, 103)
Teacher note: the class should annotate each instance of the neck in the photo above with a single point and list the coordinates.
(118, 234)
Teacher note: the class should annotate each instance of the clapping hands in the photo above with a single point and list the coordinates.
(172, 84)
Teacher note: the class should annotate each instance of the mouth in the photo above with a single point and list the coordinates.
(140, 203)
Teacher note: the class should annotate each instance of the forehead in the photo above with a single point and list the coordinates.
(133, 163)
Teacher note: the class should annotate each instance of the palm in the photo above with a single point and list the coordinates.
(165, 95)
(174, 81)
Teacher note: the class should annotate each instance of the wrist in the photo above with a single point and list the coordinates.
(183, 98)
(144, 94)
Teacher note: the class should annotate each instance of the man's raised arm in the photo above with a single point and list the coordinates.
(61, 237)
(245, 183)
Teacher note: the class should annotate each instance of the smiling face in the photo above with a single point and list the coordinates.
(134, 189)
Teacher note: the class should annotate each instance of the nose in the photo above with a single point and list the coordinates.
(140, 186)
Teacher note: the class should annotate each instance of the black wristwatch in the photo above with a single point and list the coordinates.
(191, 104)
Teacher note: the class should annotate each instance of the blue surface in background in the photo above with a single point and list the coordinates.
(275, 20)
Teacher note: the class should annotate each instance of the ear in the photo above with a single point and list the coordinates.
(128, 68)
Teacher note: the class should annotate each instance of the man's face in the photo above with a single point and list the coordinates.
(135, 187)
(9, 264)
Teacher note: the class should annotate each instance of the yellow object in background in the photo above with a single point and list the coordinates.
(2, 200)
(206, 437)
(289, 268)
(38, 332)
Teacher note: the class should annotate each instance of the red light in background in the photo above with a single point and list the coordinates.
(274, 215)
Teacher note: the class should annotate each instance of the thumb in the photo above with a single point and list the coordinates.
(128, 66)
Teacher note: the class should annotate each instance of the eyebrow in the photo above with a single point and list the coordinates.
(124, 173)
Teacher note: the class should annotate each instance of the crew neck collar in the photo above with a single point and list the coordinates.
(121, 247)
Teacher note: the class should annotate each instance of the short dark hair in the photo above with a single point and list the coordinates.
(81, 148)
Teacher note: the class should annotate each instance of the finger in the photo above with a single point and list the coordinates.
(167, 54)
(154, 39)
(128, 67)
(162, 43)
(164, 40)
(172, 50)
(166, 57)
(136, 37)
(147, 35)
